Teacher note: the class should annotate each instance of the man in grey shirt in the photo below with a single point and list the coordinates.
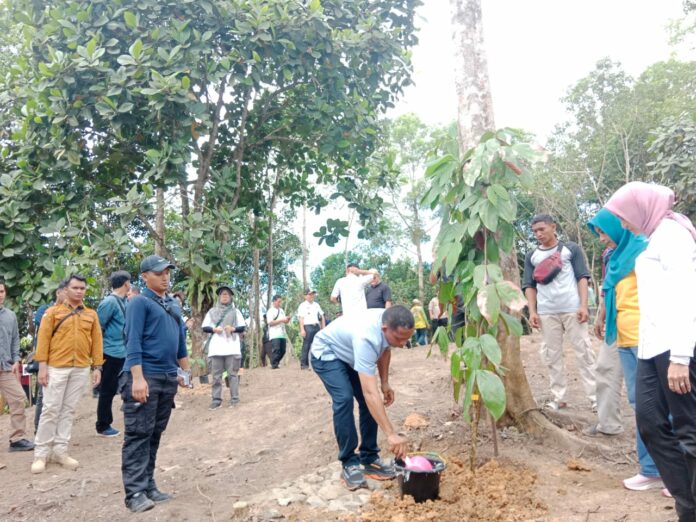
(559, 308)
(9, 375)
(347, 356)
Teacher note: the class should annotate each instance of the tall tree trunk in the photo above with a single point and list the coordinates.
(269, 250)
(351, 215)
(159, 222)
(305, 282)
(474, 100)
(417, 240)
(255, 336)
(475, 116)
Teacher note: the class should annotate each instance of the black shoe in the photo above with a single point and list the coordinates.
(157, 496)
(21, 445)
(274, 367)
(139, 503)
(353, 478)
(379, 470)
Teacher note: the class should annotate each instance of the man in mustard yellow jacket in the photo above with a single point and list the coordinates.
(69, 343)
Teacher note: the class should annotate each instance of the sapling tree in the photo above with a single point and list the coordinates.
(476, 196)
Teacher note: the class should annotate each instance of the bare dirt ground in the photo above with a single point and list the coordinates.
(282, 430)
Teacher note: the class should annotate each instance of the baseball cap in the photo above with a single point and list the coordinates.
(155, 264)
(308, 291)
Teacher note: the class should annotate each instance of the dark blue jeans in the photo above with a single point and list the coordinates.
(343, 384)
(144, 425)
(422, 336)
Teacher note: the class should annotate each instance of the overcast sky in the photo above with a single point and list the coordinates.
(536, 50)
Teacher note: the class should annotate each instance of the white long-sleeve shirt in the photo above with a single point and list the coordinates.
(223, 343)
(666, 273)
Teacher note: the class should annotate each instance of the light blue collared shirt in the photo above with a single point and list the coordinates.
(357, 340)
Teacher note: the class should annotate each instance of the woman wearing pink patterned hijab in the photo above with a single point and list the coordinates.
(666, 375)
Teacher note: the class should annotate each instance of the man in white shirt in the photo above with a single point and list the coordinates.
(225, 324)
(559, 308)
(276, 320)
(311, 318)
(350, 290)
(438, 315)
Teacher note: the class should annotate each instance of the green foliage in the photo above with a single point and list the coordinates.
(605, 143)
(226, 105)
(477, 197)
(674, 151)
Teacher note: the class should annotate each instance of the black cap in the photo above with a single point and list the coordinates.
(308, 291)
(352, 264)
(224, 287)
(155, 264)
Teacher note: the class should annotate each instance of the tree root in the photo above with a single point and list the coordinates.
(536, 424)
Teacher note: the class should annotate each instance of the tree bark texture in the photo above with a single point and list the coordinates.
(159, 222)
(474, 100)
(255, 338)
(305, 282)
(269, 252)
(475, 116)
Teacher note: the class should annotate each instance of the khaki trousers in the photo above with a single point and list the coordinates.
(14, 395)
(65, 387)
(554, 327)
(609, 375)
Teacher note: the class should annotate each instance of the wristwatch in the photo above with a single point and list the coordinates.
(97, 368)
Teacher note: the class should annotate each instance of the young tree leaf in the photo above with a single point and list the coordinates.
(513, 325)
(492, 392)
(489, 303)
(511, 295)
(491, 349)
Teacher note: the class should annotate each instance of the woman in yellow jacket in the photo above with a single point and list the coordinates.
(421, 322)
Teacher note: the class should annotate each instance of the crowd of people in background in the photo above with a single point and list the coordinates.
(134, 344)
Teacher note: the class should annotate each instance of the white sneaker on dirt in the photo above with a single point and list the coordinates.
(556, 405)
(642, 483)
(38, 466)
(665, 493)
(66, 461)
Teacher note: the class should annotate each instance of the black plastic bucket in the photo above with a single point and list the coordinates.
(421, 485)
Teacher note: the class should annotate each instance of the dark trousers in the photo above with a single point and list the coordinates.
(278, 351)
(422, 336)
(310, 331)
(435, 323)
(266, 352)
(144, 424)
(343, 384)
(671, 445)
(108, 388)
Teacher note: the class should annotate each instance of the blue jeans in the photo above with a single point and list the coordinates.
(343, 384)
(629, 362)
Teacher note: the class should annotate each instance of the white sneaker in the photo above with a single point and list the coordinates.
(665, 493)
(642, 483)
(556, 405)
(66, 461)
(38, 466)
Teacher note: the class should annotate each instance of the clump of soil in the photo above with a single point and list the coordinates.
(499, 491)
